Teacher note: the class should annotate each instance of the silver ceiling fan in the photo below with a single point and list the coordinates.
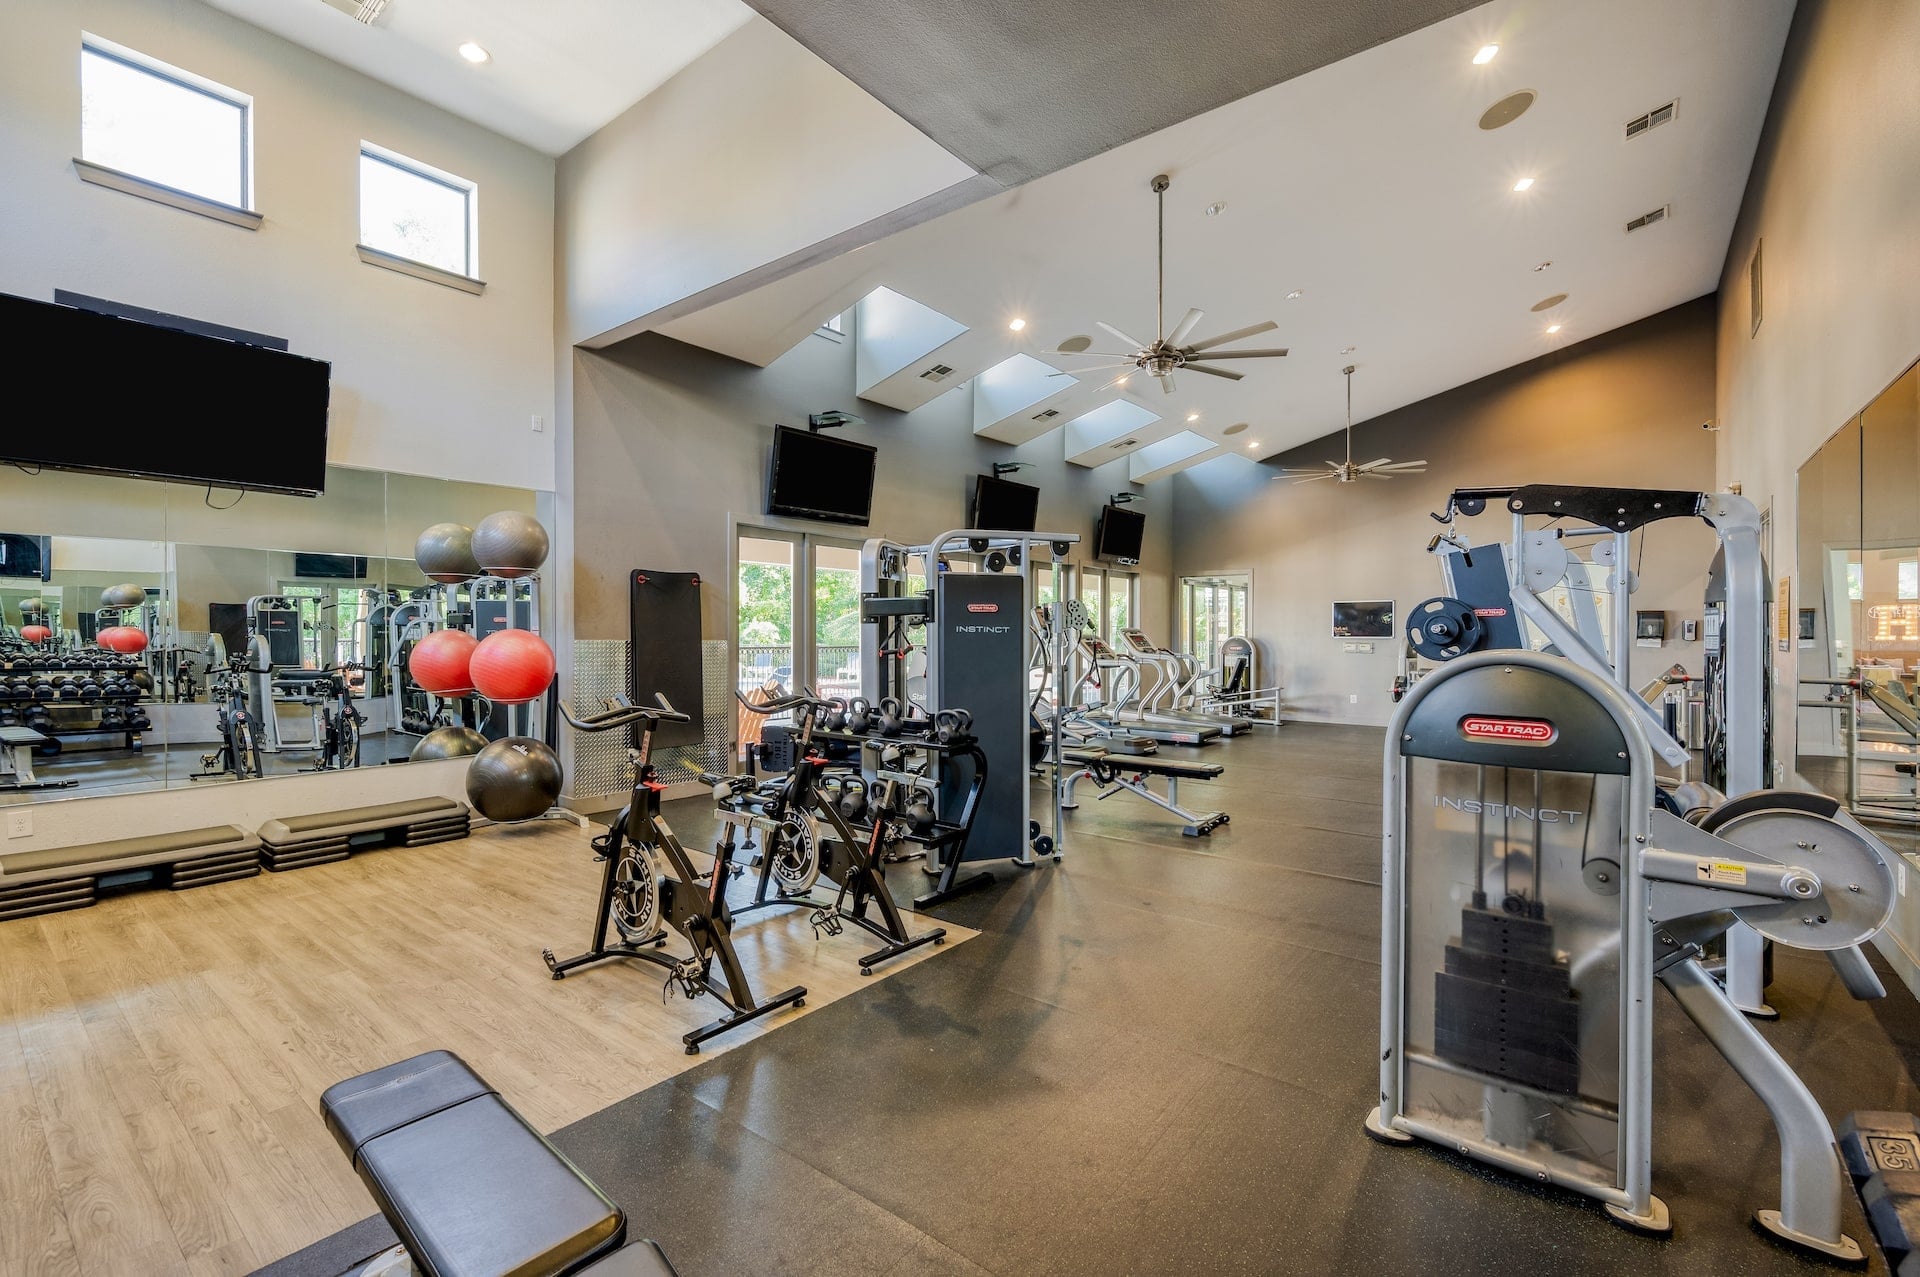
(1166, 354)
(1346, 471)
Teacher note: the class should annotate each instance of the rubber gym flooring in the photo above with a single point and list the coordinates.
(1156, 1059)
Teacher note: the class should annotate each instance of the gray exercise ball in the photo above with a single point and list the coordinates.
(510, 544)
(514, 779)
(448, 742)
(444, 553)
(31, 607)
(128, 595)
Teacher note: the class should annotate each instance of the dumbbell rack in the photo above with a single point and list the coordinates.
(59, 696)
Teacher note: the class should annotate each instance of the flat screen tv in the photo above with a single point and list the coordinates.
(1118, 534)
(26, 556)
(819, 476)
(159, 403)
(1363, 620)
(1000, 506)
(341, 567)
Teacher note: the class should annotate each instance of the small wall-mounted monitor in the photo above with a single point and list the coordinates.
(1807, 621)
(1363, 620)
(1003, 506)
(1650, 625)
(26, 556)
(1119, 534)
(330, 567)
(818, 476)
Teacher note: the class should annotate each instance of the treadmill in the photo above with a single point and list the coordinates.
(1168, 729)
(1156, 702)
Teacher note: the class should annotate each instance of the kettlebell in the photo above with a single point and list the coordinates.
(859, 716)
(853, 799)
(920, 812)
(891, 719)
(833, 716)
(951, 726)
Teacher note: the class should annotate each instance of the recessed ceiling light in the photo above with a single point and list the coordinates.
(474, 53)
(1348, 350)
(1235, 428)
(1193, 416)
(1542, 266)
(1123, 381)
(1553, 328)
(1296, 294)
(1485, 55)
(1016, 324)
(1216, 208)
(1525, 183)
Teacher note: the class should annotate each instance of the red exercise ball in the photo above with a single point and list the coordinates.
(439, 662)
(512, 666)
(35, 633)
(122, 638)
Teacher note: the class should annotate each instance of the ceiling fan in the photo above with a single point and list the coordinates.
(1166, 354)
(1346, 471)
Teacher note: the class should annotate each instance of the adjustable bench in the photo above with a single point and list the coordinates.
(470, 1189)
(1128, 773)
(16, 759)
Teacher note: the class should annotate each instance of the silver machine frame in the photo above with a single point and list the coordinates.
(884, 568)
(1537, 562)
(1666, 907)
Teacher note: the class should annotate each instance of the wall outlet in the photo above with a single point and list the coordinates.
(1353, 698)
(19, 824)
(1365, 649)
(539, 423)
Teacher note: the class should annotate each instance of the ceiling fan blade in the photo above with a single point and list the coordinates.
(1235, 335)
(1131, 341)
(1276, 352)
(1188, 322)
(1094, 368)
(1214, 372)
(1376, 463)
(1166, 381)
(1373, 474)
(1094, 354)
(1306, 469)
(1315, 478)
(1406, 467)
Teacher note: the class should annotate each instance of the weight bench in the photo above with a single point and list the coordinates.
(1126, 773)
(470, 1189)
(16, 760)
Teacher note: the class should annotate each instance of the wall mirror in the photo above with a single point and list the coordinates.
(1857, 620)
(124, 604)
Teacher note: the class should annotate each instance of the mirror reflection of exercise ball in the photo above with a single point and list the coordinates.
(31, 607)
(444, 553)
(439, 662)
(514, 779)
(510, 544)
(128, 595)
(125, 639)
(448, 742)
(35, 633)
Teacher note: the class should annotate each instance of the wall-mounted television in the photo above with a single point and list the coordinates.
(1119, 534)
(819, 476)
(1001, 506)
(1363, 620)
(22, 555)
(341, 567)
(158, 402)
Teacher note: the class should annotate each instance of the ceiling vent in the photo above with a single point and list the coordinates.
(1048, 415)
(1647, 219)
(939, 372)
(1651, 120)
(365, 11)
(1507, 110)
(1122, 445)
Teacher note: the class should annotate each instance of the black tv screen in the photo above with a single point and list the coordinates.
(1000, 506)
(342, 567)
(818, 476)
(159, 403)
(1363, 620)
(1119, 534)
(27, 556)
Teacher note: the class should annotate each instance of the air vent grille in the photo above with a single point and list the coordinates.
(1652, 119)
(1048, 415)
(939, 372)
(1647, 219)
(366, 11)
(1122, 445)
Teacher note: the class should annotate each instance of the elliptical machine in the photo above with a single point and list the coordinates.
(639, 901)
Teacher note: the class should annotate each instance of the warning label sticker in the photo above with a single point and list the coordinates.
(1724, 872)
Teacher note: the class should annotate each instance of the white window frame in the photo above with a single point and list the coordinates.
(468, 280)
(243, 214)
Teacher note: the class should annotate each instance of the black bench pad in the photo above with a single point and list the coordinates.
(1140, 765)
(468, 1186)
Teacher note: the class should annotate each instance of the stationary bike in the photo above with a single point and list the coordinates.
(640, 901)
(239, 752)
(337, 724)
(808, 836)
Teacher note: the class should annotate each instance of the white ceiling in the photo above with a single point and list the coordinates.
(560, 68)
(1368, 185)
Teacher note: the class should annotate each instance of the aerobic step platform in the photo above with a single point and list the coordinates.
(47, 881)
(298, 841)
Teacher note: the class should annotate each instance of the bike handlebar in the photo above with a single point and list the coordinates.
(780, 704)
(624, 714)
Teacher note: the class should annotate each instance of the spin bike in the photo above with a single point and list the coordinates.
(639, 901)
(806, 837)
(239, 752)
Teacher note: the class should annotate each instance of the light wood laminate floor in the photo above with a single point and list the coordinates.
(162, 1054)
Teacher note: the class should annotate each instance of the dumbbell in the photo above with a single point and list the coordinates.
(113, 718)
(43, 690)
(138, 721)
(39, 717)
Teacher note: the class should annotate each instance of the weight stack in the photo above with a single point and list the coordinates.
(1504, 1005)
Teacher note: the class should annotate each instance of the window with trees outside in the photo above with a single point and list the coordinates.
(414, 211)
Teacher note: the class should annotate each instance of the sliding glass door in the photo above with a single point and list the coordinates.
(796, 611)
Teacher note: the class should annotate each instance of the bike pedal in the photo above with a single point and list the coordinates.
(825, 922)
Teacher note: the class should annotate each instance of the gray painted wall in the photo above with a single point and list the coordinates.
(669, 442)
(1623, 409)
